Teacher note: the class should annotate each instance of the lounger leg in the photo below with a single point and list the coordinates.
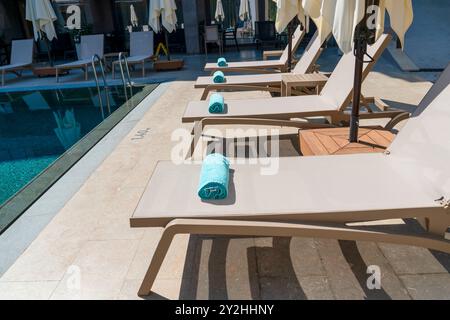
(279, 229)
(155, 264)
(143, 69)
(3, 78)
(86, 77)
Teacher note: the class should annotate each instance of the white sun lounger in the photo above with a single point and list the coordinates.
(331, 102)
(21, 58)
(141, 50)
(264, 66)
(268, 82)
(318, 196)
(89, 46)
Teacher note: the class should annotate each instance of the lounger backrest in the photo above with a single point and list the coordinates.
(22, 51)
(296, 40)
(339, 88)
(436, 89)
(424, 142)
(309, 56)
(91, 45)
(141, 44)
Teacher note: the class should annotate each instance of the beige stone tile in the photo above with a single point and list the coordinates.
(342, 280)
(283, 255)
(163, 289)
(27, 290)
(226, 269)
(49, 256)
(316, 288)
(428, 286)
(174, 264)
(98, 271)
(362, 255)
(411, 260)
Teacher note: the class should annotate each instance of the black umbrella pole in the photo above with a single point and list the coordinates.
(360, 50)
(290, 46)
(166, 36)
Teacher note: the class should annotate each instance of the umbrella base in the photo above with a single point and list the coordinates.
(168, 65)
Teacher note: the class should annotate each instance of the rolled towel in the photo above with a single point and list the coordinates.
(216, 103)
(222, 62)
(218, 77)
(214, 178)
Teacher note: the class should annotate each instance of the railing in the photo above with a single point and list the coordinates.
(96, 59)
(127, 83)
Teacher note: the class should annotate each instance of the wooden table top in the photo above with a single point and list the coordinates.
(293, 79)
(334, 141)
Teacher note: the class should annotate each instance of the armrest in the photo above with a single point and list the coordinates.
(272, 53)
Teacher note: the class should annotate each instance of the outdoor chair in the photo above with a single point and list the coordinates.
(141, 50)
(21, 58)
(265, 33)
(318, 197)
(89, 46)
(332, 102)
(212, 35)
(265, 82)
(264, 66)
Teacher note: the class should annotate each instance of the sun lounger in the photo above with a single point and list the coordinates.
(267, 82)
(264, 66)
(89, 46)
(332, 102)
(141, 50)
(318, 196)
(21, 58)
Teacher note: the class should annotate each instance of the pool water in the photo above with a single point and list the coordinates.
(37, 127)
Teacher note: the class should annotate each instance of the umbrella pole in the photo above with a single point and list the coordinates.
(360, 49)
(290, 46)
(49, 51)
(166, 36)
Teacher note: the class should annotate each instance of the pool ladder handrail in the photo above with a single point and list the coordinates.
(96, 59)
(127, 83)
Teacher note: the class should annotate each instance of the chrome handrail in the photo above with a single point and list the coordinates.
(96, 58)
(123, 60)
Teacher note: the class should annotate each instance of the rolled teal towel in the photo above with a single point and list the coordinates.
(216, 103)
(218, 77)
(222, 62)
(214, 178)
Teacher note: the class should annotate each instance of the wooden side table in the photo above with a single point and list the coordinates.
(334, 141)
(310, 80)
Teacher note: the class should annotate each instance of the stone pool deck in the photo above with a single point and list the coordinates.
(88, 251)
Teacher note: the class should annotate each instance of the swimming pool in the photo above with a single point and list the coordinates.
(38, 127)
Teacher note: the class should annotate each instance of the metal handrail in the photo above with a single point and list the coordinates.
(96, 58)
(126, 84)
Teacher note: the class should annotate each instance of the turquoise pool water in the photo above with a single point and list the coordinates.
(37, 127)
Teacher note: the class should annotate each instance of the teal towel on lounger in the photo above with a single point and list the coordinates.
(216, 103)
(218, 77)
(222, 62)
(214, 178)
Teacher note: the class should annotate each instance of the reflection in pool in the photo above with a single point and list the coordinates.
(37, 127)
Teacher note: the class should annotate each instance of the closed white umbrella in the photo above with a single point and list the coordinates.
(133, 17)
(244, 10)
(154, 15)
(220, 14)
(288, 10)
(342, 17)
(169, 15)
(41, 15)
